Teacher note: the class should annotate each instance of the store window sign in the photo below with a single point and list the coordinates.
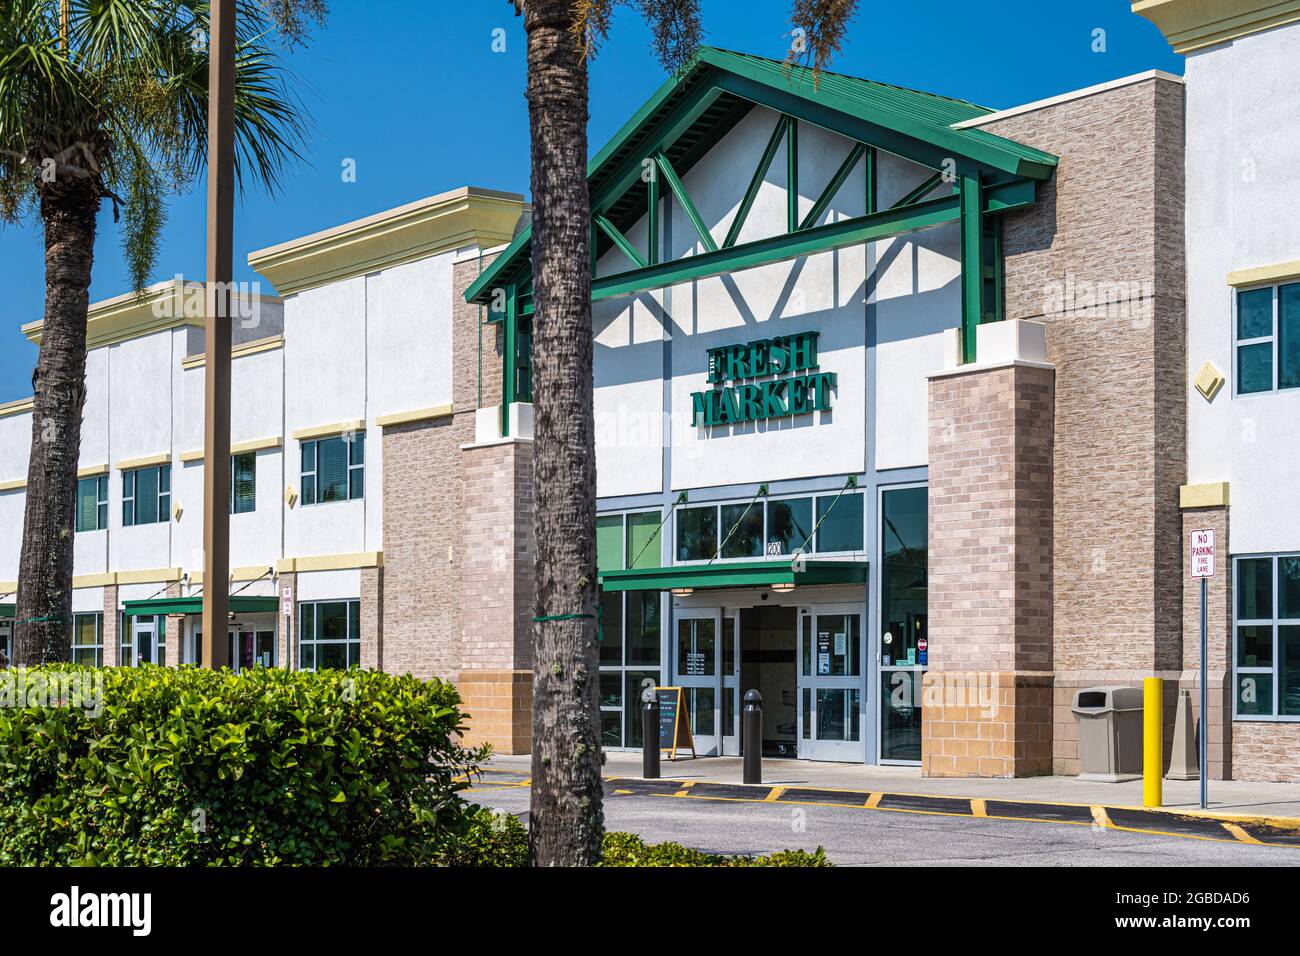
(795, 387)
(823, 653)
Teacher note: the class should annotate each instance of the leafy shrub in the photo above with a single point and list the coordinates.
(188, 766)
(490, 838)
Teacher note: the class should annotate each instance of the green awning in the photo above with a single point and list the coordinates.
(735, 574)
(6, 610)
(194, 605)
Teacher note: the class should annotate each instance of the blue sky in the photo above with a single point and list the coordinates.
(413, 92)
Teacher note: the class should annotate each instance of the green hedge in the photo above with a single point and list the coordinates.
(187, 766)
(499, 839)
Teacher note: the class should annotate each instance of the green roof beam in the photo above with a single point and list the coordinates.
(792, 175)
(920, 192)
(833, 187)
(735, 574)
(620, 240)
(756, 181)
(972, 264)
(683, 197)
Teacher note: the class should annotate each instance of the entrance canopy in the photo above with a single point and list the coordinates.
(736, 574)
(238, 605)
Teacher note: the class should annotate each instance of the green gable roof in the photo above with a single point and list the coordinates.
(686, 123)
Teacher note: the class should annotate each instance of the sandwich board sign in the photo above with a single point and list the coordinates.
(674, 722)
(1202, 553)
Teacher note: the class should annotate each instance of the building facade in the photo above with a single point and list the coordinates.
(897, 421)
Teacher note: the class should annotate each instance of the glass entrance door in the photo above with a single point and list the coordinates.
(831, 685)
(251, 648)
(707, 667)
(148, 642)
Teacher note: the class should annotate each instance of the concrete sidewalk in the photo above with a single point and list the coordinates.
(1279, 803)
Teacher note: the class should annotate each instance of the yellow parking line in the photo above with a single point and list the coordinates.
(1241, 834)
(873, 801)
(979, 807)
(775, 795)
(685, 789)
(1102, 818)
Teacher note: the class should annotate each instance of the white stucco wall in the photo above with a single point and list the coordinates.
(1243, 204)
(912, 281)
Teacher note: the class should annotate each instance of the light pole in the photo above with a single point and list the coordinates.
(220, 269)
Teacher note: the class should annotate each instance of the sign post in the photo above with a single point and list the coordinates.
(1203, 562)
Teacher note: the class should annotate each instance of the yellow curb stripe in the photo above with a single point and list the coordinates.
(873, 801)
(979, 807)
(775, 795)
(1241, 834)
(622, 793)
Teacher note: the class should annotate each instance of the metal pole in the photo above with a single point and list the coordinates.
(752, 741)
(1153, 733)
(1205, 697)
(220, 275)
(650, 735)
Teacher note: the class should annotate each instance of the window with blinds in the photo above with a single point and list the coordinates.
(334, 469)
(146, 495)
(92, 503)
(243, 483)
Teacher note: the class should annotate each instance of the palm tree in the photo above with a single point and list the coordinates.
(107, 99)
(566, 819)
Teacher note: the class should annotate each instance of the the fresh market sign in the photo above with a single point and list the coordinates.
(797, 389)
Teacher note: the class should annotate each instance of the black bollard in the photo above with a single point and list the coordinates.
(752, 736)
(650, 735)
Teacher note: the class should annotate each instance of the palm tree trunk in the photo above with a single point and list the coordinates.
(566, 820)
(44, 612)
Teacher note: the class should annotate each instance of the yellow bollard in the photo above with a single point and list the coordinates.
(1153, 748)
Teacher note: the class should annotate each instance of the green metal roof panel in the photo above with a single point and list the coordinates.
(238, 605)
(6, 611)
(924, 117)
(735, 574)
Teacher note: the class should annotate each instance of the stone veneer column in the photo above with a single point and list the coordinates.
(112, 621)
(172, 630)
(987, 704)
(372, 618)
(496, 678)
(286, 628)
(1218, 631)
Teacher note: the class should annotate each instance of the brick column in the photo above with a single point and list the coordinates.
(987, 705)
(173, 629)
(496, 677)
(112, 621)
(372, 618)
(1218, 639)
(286, 630)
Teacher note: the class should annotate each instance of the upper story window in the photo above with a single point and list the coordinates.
(92, 503)
(334, 469)
(774, 528)
(146, 495)
(1266, 646)
(243, 483)
(1268, 339)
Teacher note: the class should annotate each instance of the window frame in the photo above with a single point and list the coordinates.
(356, 470)
(1273, 339)
(234, 459)
(131, 499)
(73, 646)
(353, 638)
(101, 503)
(815, 497)
(1275, 623)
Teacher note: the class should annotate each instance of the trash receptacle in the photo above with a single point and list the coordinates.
(1110, 733)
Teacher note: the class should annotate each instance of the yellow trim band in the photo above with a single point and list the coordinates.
(13, 485)
(268, 344)
(1211, 495)
(92, 471)
(331, 562)
(417, 415)
(242, 448)
(329, 431)
(131, 464)
(18, 407)
(1194, 24)
(1278, 272)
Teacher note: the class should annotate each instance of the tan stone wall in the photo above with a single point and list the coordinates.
(499, 709)
(372, 618)
(1112, 221)
(172, 628)
(987, 704)
(1219, 639)
(112, 623)
(286, 630)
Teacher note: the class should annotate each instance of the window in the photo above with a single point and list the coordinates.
(334, 469)
(1266, 646)
(1268, 339)
(331, 635)
(243, 483)
(146, 495)
(777, 528)
(88, 640)
(629, 624)
(92, 503)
